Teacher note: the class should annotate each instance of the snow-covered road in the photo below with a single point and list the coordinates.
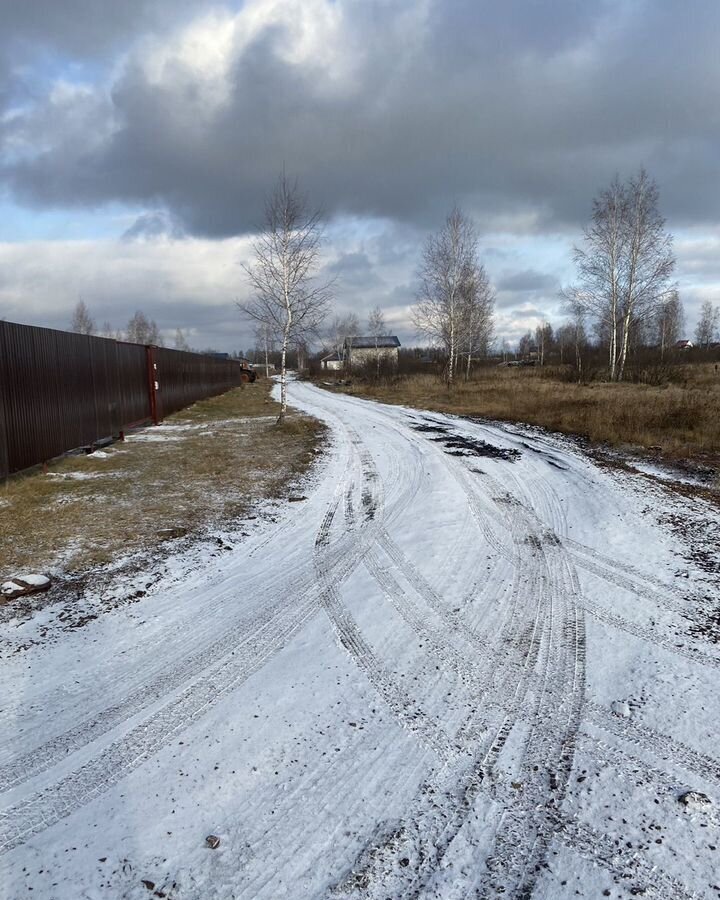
(469, 664)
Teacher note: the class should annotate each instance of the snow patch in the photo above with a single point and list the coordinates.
(24, 584)
(621, 708)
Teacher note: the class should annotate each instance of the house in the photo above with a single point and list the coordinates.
(363, 351)
(333, 362)
(683, 345)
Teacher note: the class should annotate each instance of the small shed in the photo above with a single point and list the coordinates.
(362, 351)
(332, 363)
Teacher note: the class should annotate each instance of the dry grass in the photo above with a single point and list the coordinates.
(681, 419)
(205, 466)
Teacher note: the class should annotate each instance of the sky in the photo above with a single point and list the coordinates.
(138, 141)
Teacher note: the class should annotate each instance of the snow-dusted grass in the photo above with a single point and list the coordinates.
(204, 467)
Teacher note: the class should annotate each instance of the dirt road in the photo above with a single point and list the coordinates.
(469, 664)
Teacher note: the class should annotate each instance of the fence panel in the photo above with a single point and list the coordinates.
(185, 378)
(60, 391)
(4, 469)
(32, 411)
(132, 378)
(106, 387)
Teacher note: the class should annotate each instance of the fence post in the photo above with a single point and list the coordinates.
(4, 453)
(152, 383)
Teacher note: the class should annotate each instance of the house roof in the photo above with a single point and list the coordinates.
(332, 357)
(367, 343)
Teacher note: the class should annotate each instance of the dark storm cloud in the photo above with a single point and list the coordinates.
(519, 110)
(153, 225)
(354, 270)
(528, 280)
(527, 312)
(84, 28)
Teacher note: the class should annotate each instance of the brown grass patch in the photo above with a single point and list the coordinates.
(683, 420)
(204, 467)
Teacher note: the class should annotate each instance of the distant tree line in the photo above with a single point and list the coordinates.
(139, 330)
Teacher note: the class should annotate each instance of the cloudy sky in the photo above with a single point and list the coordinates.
(138, 139)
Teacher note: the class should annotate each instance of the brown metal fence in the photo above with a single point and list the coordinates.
(60, 391)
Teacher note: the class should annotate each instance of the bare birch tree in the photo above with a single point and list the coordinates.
(448, 260)
(181, 341)
(668, 323)
(141, 330)
(599, 265)
(376, 328)
(625, 264)
(476, 318)
(708, 324)
(82, 322)
(340, 329)
(543, 341)
(264, 340)
(285, 295)
(650, 260)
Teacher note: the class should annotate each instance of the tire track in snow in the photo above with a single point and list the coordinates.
(652, 635)
(620, 861)
(627, 578)
(445, 802)
(407, 711)
(177, 673)
(646, 579)
(521, 841)
(657, 883)
(50, 805)
(452, 801)
(523, 837)
(660, 745)
(370, 877)
(655, 781)
(608, 573)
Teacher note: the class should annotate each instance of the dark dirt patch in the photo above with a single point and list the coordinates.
(699, 539)
(465, 446)
(431, 429)
(459, 445)
(708, 627)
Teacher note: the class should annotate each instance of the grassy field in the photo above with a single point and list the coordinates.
(679, 420)
(204, 467)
